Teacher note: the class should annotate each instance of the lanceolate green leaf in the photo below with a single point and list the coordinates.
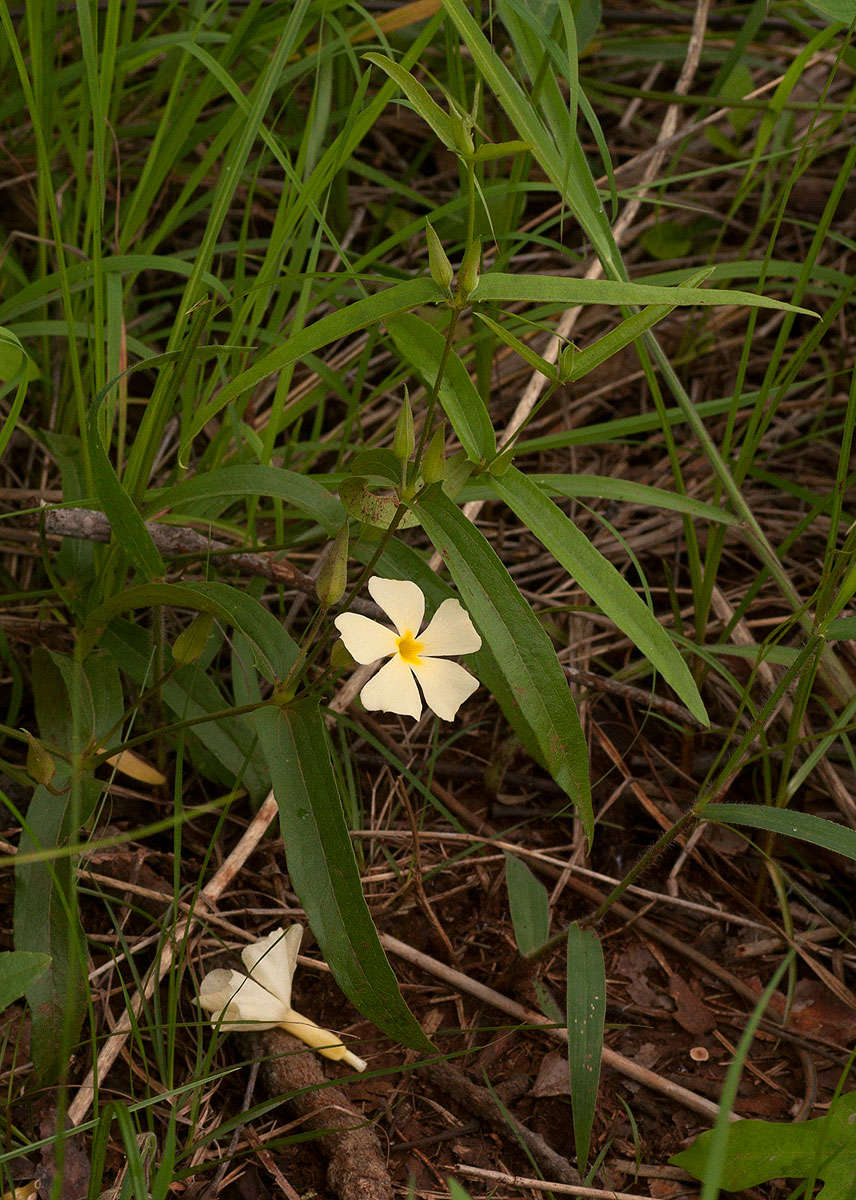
(323, 869)
(804, 826)
(224, 749)
(422, 346)
(19, 970)
(597, 576)
(47, 922)
(276, 652)
(519, 643)
(530, 909)
(543, 289)
(252, 480)
(605, 487)
(427, 108)
(586, 1003)
(342, 323)
(129, 529)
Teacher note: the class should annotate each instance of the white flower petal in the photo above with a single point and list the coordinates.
(366, 640)
(445, 685)
(271, 961)
(239, 1000)
(393, 689)
(401, 600)
(450, 631)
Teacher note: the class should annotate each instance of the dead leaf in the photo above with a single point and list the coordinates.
(691, 1012)
(554, 1076)
(816, 1011)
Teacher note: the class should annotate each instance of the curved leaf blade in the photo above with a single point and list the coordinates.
(253, 480)
(276, 651)
(815, 830)
(339, 324)
(422, 346)
(19, 970)
(323, 869)
(543, 289)
(518, 641)
(596, 575)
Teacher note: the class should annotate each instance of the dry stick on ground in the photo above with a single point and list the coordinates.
(173, 540)
(543, 1185)
(480, 1102)
(356, 1164)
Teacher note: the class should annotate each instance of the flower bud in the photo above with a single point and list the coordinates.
(40, 765)
(434, 462)
(333, 576)
(192, 641)
(468, 276)
(438, 262)
(404, 439)
(463, 139)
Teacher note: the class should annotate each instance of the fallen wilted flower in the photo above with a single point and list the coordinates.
(262, 999)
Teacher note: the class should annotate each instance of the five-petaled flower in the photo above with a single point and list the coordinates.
(262, 1000)
(412, 655)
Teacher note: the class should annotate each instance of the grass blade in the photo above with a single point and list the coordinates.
(586, 1010)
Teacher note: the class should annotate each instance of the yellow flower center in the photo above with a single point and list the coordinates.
(408, 648)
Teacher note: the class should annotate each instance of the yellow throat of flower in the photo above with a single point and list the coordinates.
(409, 649)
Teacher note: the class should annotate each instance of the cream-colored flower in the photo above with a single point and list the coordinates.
(413, 656)
(262, 999)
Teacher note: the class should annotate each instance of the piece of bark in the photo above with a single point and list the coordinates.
(480, 1102)
(356, 1163)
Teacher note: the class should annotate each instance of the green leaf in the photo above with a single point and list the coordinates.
(549, 370)
(519, 643)
(12, 355)
(365, 506)
(428, 109)
(250, 480)
(597, 576)
(587, 17)
(498, 286)
(422, 346)
(667, 239)
(808, 828)
(47, 922)
(222, 750)
(339, 324)
(276, 653)
(65, 709)
(605, 487)
(529, 904)
(835, 10)
(128, 528)
(757, 1151)
(586, 1003)
(19, 970)
(841, 629)
(323, 869)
